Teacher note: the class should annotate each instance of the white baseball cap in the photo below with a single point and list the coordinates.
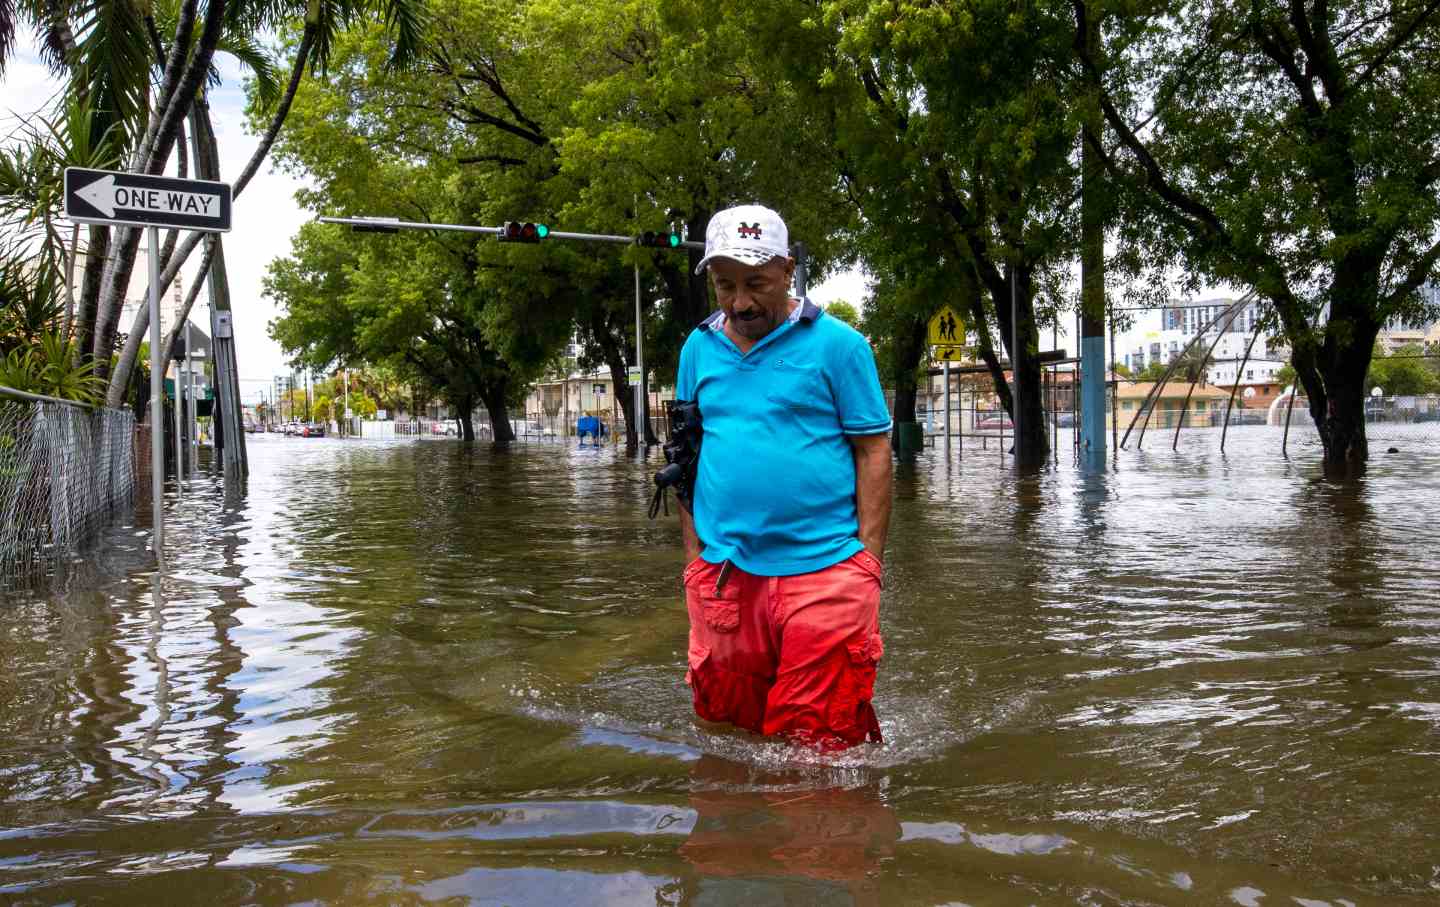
(749, 234)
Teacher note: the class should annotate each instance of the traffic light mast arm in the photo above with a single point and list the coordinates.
(384, 223)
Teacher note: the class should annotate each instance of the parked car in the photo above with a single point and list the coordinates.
(996, 421)
(536, 430)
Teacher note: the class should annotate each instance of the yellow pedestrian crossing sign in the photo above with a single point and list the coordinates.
(946, 328)
(947, 352)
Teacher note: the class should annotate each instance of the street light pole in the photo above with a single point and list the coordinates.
(639, 361)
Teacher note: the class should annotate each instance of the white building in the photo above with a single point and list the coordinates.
(1161, 335)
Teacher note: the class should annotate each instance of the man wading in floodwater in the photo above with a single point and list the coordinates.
(791, 501)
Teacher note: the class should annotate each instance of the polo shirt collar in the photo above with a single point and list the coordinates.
(805, 314)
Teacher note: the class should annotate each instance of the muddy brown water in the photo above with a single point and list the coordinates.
(419, 673)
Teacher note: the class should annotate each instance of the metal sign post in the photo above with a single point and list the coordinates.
(947, 409)
(179, 429)
(111, 197)
(157, 421)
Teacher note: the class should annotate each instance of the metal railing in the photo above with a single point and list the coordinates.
(65, 469)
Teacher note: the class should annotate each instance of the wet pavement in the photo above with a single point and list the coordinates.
(400, 672)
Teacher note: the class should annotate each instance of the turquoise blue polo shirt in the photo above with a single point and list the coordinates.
(775, 492)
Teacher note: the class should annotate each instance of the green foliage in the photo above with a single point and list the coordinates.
(30, 300)
(844, 311)
(1152, 372)
(1286, 147)
(1402, 373)
(52, 367)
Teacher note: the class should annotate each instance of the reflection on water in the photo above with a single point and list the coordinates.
(417, 672)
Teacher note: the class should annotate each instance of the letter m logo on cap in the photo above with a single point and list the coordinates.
(749, 231)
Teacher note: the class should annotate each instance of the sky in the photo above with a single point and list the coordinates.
(265, 219)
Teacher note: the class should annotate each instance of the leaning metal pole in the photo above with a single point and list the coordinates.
(1244, 360)
(1229, 316)
(1146, 407)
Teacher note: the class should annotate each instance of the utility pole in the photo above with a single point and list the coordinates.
(1093, 367)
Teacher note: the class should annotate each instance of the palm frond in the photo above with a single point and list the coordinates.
(255, 58)
(406, 20)
(9, 21)
(113, 66)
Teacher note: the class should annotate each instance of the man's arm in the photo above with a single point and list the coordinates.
(687, 532)
(873, 473)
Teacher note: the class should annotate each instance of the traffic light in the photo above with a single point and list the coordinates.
(652, 240)
(515, 231)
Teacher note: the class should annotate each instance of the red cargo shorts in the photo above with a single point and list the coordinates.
(787, 655)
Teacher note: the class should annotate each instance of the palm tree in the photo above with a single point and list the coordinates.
(108, 49)
(322, 22)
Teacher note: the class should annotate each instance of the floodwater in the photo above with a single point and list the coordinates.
(419, 673)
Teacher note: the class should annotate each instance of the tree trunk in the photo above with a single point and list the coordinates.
(466, 408)
(909, 352)
(499, 411)
(614, 354)
(1032, 441)
(172, 337)
(1342, 421)
(650, 439)
(96, 251)
(173, 261)
(164, 124)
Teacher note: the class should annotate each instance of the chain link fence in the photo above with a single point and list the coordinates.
(64, 470)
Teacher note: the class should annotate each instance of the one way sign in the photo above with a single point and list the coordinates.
(111, 197)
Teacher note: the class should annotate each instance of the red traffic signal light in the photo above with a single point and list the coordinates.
(515, 231)
(652, 240)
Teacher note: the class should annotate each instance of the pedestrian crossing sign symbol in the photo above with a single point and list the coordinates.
(946, 329)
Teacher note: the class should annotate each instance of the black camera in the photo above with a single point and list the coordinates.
(682, 455)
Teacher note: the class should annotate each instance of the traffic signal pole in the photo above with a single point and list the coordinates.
(507, 233)
(392, 225)
(515, 232)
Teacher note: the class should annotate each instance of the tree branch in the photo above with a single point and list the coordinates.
(1397, 41)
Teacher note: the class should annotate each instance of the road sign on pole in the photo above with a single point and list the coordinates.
(946, 329)
(142, 200)
(113, 197)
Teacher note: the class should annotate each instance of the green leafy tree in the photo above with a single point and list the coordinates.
(845, 311)
(1152, 372)
(948, 118)
(1401, 373)
(1286, 147)
(611, 117)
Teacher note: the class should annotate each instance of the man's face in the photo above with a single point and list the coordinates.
(755, 298)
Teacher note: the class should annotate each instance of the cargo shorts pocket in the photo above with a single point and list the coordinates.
(693, 569)
(721, 614)
(852, 717)
(725, 696)
(871, 565)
